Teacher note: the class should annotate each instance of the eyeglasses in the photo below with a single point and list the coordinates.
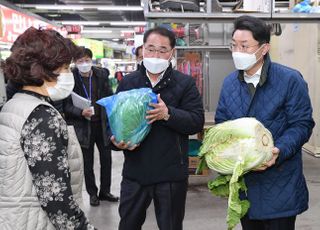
(153, 50)
(241, 48)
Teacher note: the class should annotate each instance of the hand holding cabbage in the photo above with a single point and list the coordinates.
(234, 148)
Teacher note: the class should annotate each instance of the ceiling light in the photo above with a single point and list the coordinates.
(54, 15)
(97, 31)
(112, 23)
(127, 31)
(91, 23)
(126, 23)
(121, 8)
(81, 7)
(58, 7)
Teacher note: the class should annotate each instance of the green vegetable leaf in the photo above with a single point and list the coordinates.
(201, 166)
(220, 185)
(236, 208)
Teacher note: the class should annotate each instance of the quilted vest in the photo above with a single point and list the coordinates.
(19, 205)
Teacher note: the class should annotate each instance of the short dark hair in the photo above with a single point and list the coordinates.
(163, 32)
(85, 52)
(35, 55)
(136, 52)
(261, 31)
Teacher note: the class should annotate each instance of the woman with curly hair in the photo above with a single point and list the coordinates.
(39, 168)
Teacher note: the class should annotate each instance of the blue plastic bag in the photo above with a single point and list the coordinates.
(126, 112)
(302, 7)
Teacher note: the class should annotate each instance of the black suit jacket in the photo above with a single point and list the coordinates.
(73, 114)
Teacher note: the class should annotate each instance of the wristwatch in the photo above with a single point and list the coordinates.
(166, 117)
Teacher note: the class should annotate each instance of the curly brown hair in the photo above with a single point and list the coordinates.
(36, 54)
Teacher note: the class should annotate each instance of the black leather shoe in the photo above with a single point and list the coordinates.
(94, 201)
(108, 196)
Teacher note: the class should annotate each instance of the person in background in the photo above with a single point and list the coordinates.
(118, 75)
(90, 124)
(277, 96)
(139, 56)
(157, 169)
(35, 145)
(11, 89)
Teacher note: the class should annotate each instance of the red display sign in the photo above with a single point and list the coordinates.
(139, 29)
(73, 29)
(15, 23)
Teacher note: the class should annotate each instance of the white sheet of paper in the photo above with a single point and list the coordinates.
(80, 102)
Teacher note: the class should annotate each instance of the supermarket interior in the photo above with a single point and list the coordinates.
(184, 122)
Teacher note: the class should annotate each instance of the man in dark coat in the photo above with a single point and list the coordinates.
(139, 56)
(157, 169)
(90, 124)
(277, 96)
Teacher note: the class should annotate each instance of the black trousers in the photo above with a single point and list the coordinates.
(286, 223)
(169, 203)
(105, 162)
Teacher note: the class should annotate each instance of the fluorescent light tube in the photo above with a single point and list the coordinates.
(112, 23)
(127, 31)
(59, 7)
(82, 7)
(91, 23)
(126, 23)
(120, 8)
(97, 31)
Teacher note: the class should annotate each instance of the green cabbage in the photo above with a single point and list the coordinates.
(233, 148)
(126, 112)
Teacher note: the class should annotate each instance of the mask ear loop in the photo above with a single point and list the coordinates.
(169, 60)
(257, 51)
(45, 87)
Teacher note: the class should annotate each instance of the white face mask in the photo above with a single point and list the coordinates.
(84, 67)
(244, 61)
(63, 88)
(155, 65)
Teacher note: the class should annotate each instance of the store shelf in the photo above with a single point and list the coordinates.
(200, 16)
(165, 17)
(226, 17)
(176, 17)
(296, 17)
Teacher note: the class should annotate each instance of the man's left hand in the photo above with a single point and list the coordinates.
(159, 112)
(275, 155)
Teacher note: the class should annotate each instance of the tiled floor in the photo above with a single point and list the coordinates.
(203, 211)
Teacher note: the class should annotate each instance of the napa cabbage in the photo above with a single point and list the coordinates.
(232, 149)
(126, 112)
